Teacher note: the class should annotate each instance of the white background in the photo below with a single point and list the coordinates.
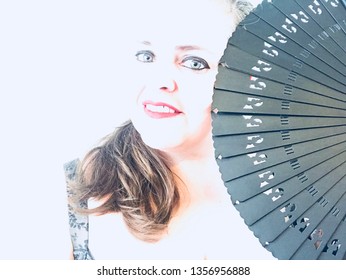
(62, 83)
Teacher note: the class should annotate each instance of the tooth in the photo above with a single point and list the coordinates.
(159, 109)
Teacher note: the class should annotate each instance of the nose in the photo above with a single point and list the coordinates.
(165, 77)
(168, 85)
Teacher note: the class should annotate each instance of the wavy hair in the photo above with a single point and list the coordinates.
(129, 177)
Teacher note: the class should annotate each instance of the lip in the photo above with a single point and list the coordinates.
(160, 110)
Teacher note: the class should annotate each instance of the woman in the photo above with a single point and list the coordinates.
(153, 185)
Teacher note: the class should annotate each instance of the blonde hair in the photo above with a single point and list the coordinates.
(239, 9)
(131, 178)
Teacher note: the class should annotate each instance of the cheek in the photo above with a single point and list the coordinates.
(198, 95)
(197, 104)
(137, 77)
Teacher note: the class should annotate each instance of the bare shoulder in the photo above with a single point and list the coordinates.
(71, 254)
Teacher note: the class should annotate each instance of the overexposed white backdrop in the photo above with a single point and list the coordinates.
(61, 87)
(63, 82)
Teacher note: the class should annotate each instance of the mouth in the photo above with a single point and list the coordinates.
(159, 110)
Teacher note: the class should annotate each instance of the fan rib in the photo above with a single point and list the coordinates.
(284, 215)
(234, 145)
(236, 167)
(277, 193)
(303, 229)
(260, 182)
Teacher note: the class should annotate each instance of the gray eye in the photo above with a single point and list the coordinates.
(195, 63)
(145, 56)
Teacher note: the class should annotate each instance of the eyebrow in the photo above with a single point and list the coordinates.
(188, 48)
(181, 48)
(147, 43)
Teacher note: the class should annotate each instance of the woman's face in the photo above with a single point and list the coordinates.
(176, 52)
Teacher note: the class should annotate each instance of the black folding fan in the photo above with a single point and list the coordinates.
(279, 126)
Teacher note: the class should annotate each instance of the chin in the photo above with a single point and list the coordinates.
(162, 141)
(164, 134)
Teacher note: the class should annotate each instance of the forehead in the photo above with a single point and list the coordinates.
(203, 23)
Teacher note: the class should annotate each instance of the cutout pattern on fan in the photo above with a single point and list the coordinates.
(279, 126)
